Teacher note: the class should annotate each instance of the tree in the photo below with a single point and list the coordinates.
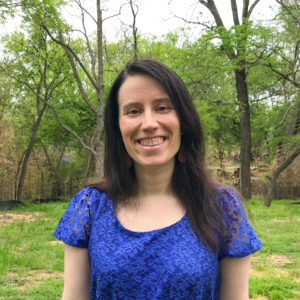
(94, 74)
(234, 44)
(286, 66)
(273, 177)
(36, 68)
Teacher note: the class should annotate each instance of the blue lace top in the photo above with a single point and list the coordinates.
(167, 263)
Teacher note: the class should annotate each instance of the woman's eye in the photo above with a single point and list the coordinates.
(163, 108)
(133, 111)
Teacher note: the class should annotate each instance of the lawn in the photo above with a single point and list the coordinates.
(31, 260)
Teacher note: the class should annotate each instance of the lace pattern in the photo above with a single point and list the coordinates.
(75, 225)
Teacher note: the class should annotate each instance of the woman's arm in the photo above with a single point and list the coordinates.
(234, 278)
(76, 274)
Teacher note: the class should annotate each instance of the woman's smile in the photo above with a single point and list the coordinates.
(151, 141)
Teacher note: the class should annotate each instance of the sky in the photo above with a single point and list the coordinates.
(156, 17)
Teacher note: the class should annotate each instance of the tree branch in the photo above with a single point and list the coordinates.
(251, 8)
(235, 14)
(69, 129)
(194, 22)
(210, 4)
(293, 82)
(70, 50)
(285, 164)
(287, 9)
(134, 29)
(92, 56)
(86, 11)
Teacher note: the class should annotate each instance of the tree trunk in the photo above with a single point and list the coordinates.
(99, 146)
(56, 189)
(99, 130)
(99, 162)
(88, 168)
(17, 174)
(245, 133)
(28, 152)
(272, 180)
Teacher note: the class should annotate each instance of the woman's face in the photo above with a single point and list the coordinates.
(148, 122)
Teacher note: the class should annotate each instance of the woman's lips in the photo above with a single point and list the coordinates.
(151, 141)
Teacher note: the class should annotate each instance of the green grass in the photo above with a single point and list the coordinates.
(276, 268)
(31, 267)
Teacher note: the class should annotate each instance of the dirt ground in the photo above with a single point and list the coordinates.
(32, 279)
(7, 218)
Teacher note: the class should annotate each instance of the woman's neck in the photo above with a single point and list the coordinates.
(155, 180)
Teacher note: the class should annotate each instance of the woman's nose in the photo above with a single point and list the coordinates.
(149, 121)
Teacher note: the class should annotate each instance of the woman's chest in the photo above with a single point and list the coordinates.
(165, 259)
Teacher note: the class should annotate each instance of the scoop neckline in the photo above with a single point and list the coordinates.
(179, 221)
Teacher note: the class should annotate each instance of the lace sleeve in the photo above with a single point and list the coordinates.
(240, 239)
(75, 224)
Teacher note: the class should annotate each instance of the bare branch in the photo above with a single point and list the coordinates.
(70, 50)
(251, 8)
(92, 56)
(115, 15)
(86, 11)
(71, 54)
(235, 14)
(107, 18)
(210, 4)
(134, 29)
(79, 83)
(195, 22)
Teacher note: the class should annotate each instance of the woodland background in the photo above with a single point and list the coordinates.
(54, 78)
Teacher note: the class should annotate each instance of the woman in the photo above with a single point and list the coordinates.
(158, 227)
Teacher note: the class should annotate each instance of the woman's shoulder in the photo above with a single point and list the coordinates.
(239, 238)
(228, 195)
(225, 189)
(89, 195)
(231, 203)
(75, 225)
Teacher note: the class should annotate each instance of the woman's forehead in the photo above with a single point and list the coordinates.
(138, 87)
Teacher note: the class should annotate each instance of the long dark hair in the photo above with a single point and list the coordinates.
(190, 180)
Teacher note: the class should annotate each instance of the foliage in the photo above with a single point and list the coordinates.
(204, 64)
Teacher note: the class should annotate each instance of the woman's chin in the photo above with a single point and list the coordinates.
(149, 163)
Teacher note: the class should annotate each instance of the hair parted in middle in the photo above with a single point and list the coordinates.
(190, 180)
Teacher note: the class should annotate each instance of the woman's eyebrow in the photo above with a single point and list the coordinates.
(164, 99)
(131, 104)
(139, 104)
